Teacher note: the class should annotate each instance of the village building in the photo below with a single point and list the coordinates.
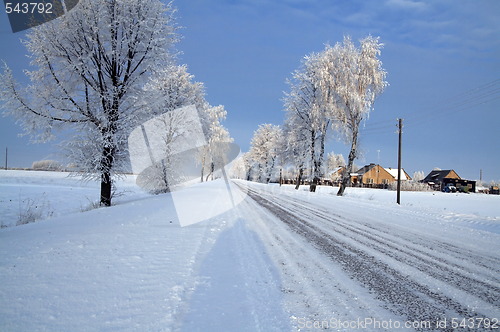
(369, 176)
(335, 176)
(449, 180)
(375, 176)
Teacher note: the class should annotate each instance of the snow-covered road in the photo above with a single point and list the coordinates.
(279, 260)
(345, 264)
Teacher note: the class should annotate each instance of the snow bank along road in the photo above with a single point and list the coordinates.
(356, 265)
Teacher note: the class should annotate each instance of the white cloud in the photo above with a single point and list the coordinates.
(407, 4)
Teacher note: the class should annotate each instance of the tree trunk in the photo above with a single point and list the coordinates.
(249, 173)
(202, 166)
(321, 153)
(318, 162)
(264, 171)
(107, 160)
(212, 170)
(346, 177)
(270, 172)
(312, 187)
(164, 173)
(299, 178)
(313, 159)
(108, 133)
(105, 189)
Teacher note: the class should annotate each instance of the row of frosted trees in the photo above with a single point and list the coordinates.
(333, 91)
(99, 71)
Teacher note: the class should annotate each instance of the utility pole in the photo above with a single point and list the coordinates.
(400, 131)
(378, 164)
(480, 176)
(6, 155)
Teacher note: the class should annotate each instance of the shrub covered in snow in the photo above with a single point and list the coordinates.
(46, 165)
(410, 186)
(33, 209)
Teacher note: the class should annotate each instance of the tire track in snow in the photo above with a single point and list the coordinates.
(462, 256)
(402, 295)
(462, 277)
(316, 289)
(483, 259)
(464, 259)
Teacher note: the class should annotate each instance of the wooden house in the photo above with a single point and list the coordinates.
(373, 176)
(370, 176)
(335, 176)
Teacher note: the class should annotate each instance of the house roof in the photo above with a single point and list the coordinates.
(337, 169)
(394, 173)
(438, 175)
(365, 169)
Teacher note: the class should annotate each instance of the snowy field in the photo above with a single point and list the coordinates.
(51, 194)
(280, 260)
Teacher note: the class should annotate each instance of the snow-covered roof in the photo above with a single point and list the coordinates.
(335, 170)
(394, 173)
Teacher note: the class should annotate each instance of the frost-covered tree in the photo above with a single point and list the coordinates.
(335, 87)
(164, 96)
(266, 144)
(90, 66)
(334, 161)
(418, 176)
(352, 77)
(239, 168)
(249, 166)
(306, 103)
(173, 88)
(170, 89)
(170, 148)
(214, 155)
(297, 145)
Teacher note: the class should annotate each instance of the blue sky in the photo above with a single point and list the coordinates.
(442, 59)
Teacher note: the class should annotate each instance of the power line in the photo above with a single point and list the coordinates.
(472, 98)
(455, 110)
